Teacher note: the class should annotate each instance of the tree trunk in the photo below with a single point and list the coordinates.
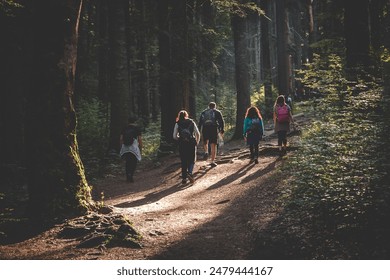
(119, 74)
(142, 65)
(174, 80)
(14, 59)
(376, 21)
(357, 33)
(266, 59)
(56, 180)
(103, 58)
(283, 57)
(242, 71)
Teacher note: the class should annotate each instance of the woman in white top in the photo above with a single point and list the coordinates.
(187, 133)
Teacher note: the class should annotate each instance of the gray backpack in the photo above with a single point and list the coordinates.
(209, 117)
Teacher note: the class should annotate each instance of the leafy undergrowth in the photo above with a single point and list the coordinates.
(338, 202)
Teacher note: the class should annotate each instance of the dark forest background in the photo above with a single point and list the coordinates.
(72, 72)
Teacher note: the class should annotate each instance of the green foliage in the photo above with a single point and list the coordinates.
(340, 172)
(8, 7)
(151, 140)
(92, 129)
(324, 74)
(236, 7)
(258, 99)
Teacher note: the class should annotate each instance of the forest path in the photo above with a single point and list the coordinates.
(210, 219)
(214, 218)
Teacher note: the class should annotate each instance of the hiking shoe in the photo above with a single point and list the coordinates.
(184, 181)
(205, 156)
(191, 178)
(256, 161)
(213, 164)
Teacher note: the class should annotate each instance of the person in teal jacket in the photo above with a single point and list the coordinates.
(253, 131)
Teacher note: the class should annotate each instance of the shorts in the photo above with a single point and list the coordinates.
(210, 133)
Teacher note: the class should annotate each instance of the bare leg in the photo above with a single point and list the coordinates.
(213, 152)
(206, 149)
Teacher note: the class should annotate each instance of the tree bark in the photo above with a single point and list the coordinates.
(174, 78)
(142, 71)
(119, 74)
(103, 50)
(242, 71)
(266, 59)
(283, 57)
(357, 33)
(56, 181)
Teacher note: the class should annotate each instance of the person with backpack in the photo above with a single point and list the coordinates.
(253, 131)
(289, 101)
(211, 123)
(187, 133)
(282, 120)
(131, 147)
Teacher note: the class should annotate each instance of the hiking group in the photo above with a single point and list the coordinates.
(211, 127)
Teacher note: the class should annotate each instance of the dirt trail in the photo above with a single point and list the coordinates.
(210, 219)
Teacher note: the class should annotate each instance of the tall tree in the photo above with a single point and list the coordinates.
(357, 33)
(174, 63)
(103, 49)
(14, 57)
(56, 180)
(142, 65)
(282, 49)
(266, 56)
(119, 83)
(242, 70)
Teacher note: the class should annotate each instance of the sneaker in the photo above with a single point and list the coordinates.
(191, 178)
(256, 161)
(184, 181)
(205, 156)
(213, 164)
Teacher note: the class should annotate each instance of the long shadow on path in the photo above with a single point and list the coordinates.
(228, 235)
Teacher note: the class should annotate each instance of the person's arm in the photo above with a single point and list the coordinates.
(197, 133)
(200, 123)
(275, 115)
(262, 126)
(291, 116)
(139, 138)
(221, 122)
(244, 128)
(176, 132)
(121, 138)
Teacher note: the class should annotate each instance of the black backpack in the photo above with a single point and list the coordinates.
(186, 129)
(209, 117)
(129, 135)
(255, 126)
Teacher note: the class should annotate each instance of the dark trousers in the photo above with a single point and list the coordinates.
(253, 140)
(282, 137)
(131, 164)
(187, 158)
(254, 149)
